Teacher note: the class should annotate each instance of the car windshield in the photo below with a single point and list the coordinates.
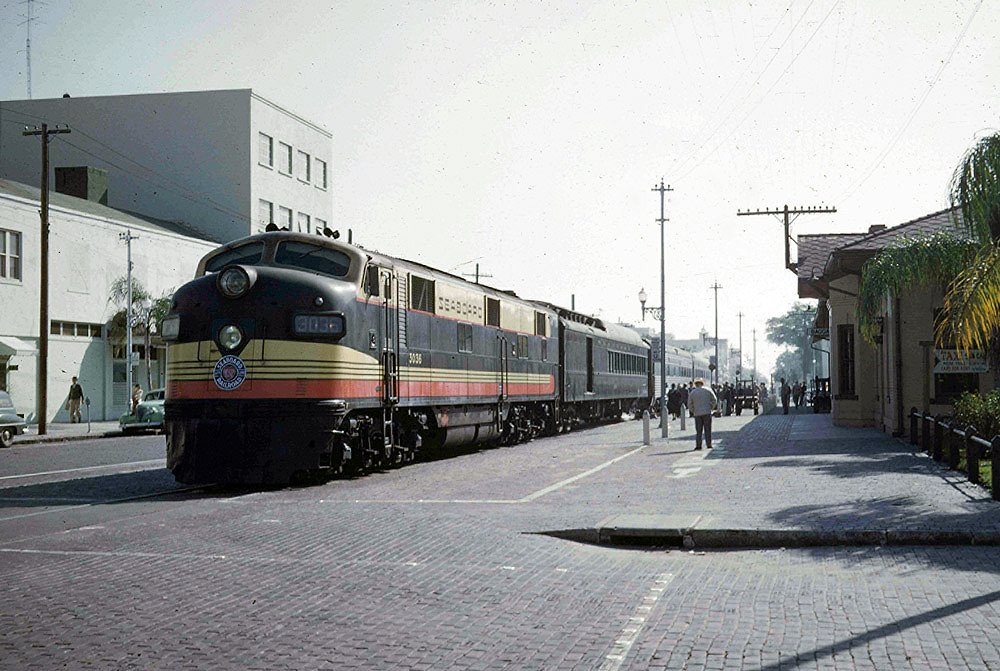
(312, 257)
(155, 395)
(248, 255)
(5, 401)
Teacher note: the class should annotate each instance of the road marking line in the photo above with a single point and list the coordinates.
(630, 632)
(559, 485)
(150, 462)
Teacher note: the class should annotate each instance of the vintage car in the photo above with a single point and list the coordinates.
(148, 415)
(11, 424)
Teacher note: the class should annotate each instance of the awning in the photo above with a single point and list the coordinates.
(9, 346)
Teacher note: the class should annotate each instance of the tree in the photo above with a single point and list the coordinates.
(791, 330)
(967, 267)
(146, 312)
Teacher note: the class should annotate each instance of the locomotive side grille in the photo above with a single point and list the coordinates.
(402, 307)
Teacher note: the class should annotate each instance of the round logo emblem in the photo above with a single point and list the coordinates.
(230, 371)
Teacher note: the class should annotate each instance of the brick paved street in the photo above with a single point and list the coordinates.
(441, 565)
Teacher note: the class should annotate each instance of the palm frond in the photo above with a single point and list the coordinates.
(912, 261)
(975, 189)
(971, 314)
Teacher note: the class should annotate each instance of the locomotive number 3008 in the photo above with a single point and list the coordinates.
(416, 358)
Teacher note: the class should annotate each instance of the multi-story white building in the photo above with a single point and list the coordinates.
(225, 162)
(86, 256)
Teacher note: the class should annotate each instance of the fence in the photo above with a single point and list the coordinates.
(948, 442)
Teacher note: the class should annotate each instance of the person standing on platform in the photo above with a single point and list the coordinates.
(702, 402)
(786, 392)
(75, 399)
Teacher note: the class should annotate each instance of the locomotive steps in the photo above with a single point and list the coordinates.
(681, 531)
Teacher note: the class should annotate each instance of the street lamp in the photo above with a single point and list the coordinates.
(656, 312)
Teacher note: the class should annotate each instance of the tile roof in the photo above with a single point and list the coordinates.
(815, 249)
(949, 220)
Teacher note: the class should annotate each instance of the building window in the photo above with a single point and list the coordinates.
(285, 158)
(284, 217)
(845, 360)
(465, 337)
(304, 166)
(10, 254)
(266, 150)
(320, 225)
(266, 212)
(75, 329)
(320, 173)
(422, 294)
(303, 222)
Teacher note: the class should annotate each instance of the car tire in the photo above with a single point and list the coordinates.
(6, 437)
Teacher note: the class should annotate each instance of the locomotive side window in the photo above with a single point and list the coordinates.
(421, 294)
(312, 257)
(540, 324)
(465, 337)
(245, 255)
(492, 312)
(545, 349)
(522, 346)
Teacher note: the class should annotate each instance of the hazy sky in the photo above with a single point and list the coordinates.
(528, 136)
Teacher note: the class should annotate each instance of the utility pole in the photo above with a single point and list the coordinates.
(663, 309)
(27, 43)
(128, 238)
(754, 376)
(476, 275)
(43, 268)
(739, 367)
(716, 287)
(786, 212)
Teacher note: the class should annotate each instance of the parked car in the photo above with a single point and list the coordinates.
(148, 415)
(11, 424)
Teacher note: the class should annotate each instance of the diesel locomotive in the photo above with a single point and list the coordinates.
(295, 353)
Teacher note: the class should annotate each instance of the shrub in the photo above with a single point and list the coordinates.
(982, 412)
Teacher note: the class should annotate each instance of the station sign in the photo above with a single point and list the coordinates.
(957, 361)
(822, 332)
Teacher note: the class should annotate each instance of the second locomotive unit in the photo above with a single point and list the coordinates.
(293, 353)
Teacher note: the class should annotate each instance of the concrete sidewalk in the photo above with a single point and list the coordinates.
(63, 431)
(788, 481)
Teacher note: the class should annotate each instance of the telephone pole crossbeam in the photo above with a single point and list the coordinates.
(786, 213)
(43, 294)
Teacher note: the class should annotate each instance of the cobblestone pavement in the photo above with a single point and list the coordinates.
(440, 566)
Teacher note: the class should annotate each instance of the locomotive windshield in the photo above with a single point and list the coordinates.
(312, 257)
(247, 255)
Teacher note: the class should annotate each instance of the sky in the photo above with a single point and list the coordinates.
(528, 136)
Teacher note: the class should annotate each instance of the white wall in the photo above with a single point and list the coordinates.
(85, 257)
(176, 156)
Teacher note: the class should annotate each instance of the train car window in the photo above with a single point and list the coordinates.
(540, 324)
(492, 311)
(465, 337)
(522, 346)
(245, 255)
(421, 294)
(312, 257)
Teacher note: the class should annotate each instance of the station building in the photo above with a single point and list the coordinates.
(226, 162)
(877, 385)
(85, 257)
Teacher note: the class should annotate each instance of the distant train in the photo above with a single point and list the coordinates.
(292, 353)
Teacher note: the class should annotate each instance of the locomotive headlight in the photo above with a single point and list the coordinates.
(171, 327)
(230, 337)
(234, 281)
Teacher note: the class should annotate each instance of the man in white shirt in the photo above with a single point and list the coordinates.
(702, 401)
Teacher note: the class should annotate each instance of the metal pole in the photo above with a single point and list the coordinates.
(664, 417)
(716, 287)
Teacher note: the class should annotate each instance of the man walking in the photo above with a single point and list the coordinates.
(786, 391)
(75, 398)
(702, 402)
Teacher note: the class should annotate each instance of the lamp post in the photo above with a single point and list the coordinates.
(658, 314)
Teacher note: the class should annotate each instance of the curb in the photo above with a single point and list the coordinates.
(753, 539)
(35, 439)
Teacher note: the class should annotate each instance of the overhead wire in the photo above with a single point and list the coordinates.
(916, 108)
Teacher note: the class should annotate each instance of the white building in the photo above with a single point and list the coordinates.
(226, 162)
(85, 257)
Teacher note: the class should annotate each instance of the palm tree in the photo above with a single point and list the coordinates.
(967, 266)
(147, 311)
